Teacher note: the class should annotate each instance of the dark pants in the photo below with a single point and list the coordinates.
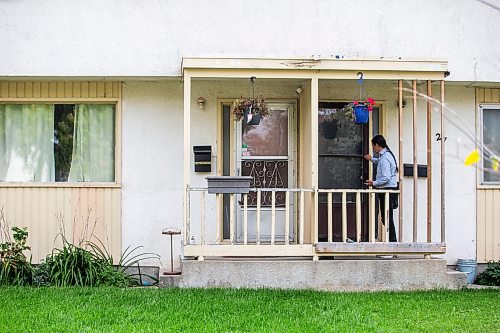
(392, 228)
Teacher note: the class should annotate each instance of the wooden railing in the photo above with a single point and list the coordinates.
(294, 212)
(293, 198)
(373, 220)
(290, 229)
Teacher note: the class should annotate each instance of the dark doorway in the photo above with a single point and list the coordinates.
(341, 146)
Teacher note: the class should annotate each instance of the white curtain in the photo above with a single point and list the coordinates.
(93, 158)
(26, 143)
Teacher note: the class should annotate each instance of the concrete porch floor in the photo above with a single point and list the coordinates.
(340, 274)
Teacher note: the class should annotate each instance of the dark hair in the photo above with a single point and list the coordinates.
(379, 140)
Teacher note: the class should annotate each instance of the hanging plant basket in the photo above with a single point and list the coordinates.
(256, 107)
(251, 110)
(361, 114)
(359, 111)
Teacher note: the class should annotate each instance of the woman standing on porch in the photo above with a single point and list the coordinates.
(385, 178)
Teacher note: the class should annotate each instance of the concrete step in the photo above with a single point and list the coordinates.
(334, 275)
(459, 278)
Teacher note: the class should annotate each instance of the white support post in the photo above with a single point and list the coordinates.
(259, 193)
(287, 217)
(344, 216)
(187, 149)
(358, 217)
(203, 229)
(301, 220)
(232, 226)
(218, 204)
(273, 216)
(371, 227)
(385, 226)
(245, 218)
(330, 217)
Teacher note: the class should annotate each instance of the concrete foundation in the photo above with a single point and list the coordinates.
(333, 275)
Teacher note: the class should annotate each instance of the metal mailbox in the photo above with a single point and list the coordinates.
(421, 170)
(202, 158)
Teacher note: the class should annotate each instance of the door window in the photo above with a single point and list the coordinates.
(264, 156)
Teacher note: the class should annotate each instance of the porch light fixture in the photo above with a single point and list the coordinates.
(404, 103)
(201, 102)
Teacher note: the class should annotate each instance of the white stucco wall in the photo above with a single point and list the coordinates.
(148, 38)
(151, 165)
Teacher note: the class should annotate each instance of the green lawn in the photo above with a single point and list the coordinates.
(216, 310)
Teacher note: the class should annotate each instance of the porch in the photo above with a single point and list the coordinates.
(306, 218)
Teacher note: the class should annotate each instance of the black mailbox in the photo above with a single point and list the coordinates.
(202, 158)
(421, 170)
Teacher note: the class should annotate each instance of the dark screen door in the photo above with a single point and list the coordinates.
(341, 146)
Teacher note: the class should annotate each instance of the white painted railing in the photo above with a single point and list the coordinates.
(294, 211)
(372, 220)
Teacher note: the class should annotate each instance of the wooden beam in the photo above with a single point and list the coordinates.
(306, 250)
(317, 64)
(380, 248)
(415, 163)
(400, 130)
(429, 162)
(187, 150)
(443, 224)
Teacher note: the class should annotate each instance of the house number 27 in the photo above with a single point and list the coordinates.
(438, 137)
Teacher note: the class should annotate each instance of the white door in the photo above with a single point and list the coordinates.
(266, 153)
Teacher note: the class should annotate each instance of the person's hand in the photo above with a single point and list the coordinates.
(368, 157)
(369, 182)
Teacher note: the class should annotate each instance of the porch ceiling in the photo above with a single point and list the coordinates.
(304, 68)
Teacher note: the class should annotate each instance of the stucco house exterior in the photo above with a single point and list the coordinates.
(114, 113)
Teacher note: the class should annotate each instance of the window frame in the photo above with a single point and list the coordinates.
(481, 183)
(117, 133)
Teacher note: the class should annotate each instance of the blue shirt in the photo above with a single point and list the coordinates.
(386, 170)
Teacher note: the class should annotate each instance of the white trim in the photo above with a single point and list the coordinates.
(417, 65)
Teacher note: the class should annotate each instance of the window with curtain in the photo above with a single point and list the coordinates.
(57, 142)
(491, 144)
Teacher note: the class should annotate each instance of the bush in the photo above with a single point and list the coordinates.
(85, 264)
(14, 266)
(491, 275)
(41, 275)
(77, 266)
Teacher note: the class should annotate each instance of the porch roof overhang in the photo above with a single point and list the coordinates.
(306, 68)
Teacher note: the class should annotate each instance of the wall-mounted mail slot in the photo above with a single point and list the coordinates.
(421, 170)
(202, 158)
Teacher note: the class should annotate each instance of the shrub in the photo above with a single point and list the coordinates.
(14, 266)
(77, 266)
(491, 275)
(85, 264)
(73, 266)
(120, 275)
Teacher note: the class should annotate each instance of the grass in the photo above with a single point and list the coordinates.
(24, 309)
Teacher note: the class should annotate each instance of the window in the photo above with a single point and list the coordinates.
(490, 126)
(57, 142)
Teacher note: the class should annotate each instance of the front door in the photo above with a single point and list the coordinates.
(266, 153)
(341, 146)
